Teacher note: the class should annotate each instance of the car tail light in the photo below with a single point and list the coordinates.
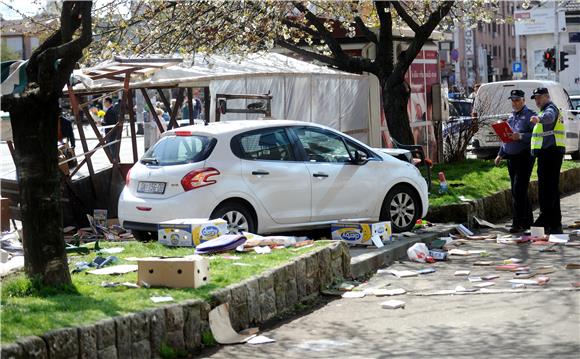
(128, 177)
(183, 133)
(199, 178)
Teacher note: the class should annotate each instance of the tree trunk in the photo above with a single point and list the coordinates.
(395, 99)
(34, 126)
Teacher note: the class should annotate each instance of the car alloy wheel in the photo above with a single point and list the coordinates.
(402, 209)
(237, 222)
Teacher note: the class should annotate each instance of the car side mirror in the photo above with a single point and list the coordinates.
(360, 158)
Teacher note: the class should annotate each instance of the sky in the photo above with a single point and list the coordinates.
(27, 7)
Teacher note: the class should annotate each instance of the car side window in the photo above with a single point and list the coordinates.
(321, 146)
(267, 144)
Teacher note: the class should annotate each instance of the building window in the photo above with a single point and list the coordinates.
(493, 27)
(479, 26)
(495, 51)
(499, 51)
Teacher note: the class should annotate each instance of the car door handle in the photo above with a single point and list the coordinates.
(323, 175)
(260, 173)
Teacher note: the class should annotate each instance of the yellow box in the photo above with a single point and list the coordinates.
(190, 232)
(361, 232)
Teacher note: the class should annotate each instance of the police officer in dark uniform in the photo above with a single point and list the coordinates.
(520, 161)
(548, 146)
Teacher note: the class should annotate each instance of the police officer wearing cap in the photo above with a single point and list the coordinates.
(548, 146)
(520, 161)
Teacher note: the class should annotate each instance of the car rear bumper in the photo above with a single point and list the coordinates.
(146, 213)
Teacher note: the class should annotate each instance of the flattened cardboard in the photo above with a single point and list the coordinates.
(190, 272)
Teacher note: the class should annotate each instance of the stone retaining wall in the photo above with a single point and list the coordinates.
(498, 205)
(181, 325)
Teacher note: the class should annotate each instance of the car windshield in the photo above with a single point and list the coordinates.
(175, 150)
(462, 108)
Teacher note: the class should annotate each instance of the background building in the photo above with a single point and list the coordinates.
(537, 25)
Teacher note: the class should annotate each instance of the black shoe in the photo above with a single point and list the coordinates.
(555, 230)
(516, 229)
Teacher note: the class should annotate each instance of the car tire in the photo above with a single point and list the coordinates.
(238, 216)
(402, 207)
(143, 236)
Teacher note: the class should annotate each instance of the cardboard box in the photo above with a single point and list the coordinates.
(187, 272)
(360, 232)
(190, 232)
(100, 217)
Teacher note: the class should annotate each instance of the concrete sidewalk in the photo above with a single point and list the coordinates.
(532, 322)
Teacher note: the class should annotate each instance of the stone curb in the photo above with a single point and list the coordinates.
(373, 259)
(182, 325)
(498, 205)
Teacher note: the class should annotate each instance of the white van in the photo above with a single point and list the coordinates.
(491, 104)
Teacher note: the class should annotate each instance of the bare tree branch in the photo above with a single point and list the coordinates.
(331, 42)
(371, 36)
(406, 17)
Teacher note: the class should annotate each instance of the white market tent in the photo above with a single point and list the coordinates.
(300, 90)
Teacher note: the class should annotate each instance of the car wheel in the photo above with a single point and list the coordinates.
(237, 215)
(143, 236)
(402, 208)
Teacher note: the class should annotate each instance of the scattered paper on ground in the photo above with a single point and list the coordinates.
(162, 299)
(260, 339)
(559, 238)
(402, 273)
(388, 292)
(120, 269)
(357, 294)
(221, 327)
(462, 273)
(484, 284)
(393, 304)
(112, 250)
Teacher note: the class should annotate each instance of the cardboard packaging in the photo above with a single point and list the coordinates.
(187, 272)
(360, 232)
(190, 232)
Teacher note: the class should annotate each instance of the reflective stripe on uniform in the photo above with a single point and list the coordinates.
(559, 133)
(548, 133)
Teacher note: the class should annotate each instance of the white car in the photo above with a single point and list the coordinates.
(267, 176)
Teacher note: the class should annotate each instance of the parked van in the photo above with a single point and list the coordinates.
(491, 104)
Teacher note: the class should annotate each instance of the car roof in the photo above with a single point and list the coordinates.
(234, 127)
(537, 83)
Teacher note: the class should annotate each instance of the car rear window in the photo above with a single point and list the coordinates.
(175, 150)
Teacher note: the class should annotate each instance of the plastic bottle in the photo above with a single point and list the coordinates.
(442, 183)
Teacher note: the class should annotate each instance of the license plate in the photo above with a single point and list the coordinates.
(492, 138)
(151, 187)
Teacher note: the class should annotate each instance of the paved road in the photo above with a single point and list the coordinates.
(535, 322)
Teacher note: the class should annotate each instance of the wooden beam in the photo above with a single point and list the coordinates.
(132, 125)
(164, 100)
(75, 107)
(206, 104)
(173, 118)
(97, 132)
(190, 104)
(152, 110)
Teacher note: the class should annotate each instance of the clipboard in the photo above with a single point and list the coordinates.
(503, 129)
